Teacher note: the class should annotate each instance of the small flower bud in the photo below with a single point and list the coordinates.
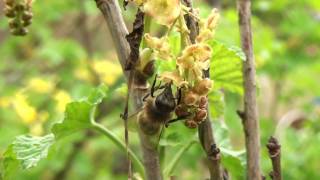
(203, 102)
(27, 23)
(182, 111)
(27, 15)
(20, 7)
(9, 2)
(204, 86)
(13, 23)
(191, 124)
(200, 115)
(19, 31)
(9, 12)
(190, 98)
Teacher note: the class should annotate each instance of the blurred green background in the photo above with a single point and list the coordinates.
(69, 51)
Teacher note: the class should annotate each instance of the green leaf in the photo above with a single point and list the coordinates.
(10, 163)
(26, 151)
(234, 161)
(79, 114)
(216, 100)
(231, 159)
(174, 161)
(226, 67)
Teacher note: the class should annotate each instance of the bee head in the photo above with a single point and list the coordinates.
(165, 101)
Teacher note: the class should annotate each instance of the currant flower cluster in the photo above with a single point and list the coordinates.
(19, 14)
(191, 63)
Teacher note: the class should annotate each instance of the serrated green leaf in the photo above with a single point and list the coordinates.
(226, 67)
(79, 114)
(26, 151)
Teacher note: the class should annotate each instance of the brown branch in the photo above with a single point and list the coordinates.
(111, 11)
(250, 114)
(205, 129)
(275, 156)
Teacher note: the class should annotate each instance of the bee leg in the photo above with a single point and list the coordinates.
(153, 85)
(179, 95)
(145, 97)
(173, 120)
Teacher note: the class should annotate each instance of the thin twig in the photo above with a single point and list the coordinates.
(250, 114)
(275, 156)
(111, 11)
(205, 129)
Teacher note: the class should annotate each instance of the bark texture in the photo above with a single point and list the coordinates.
(250, 115)
(112, 14)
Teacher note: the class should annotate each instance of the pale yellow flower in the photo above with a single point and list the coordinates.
(62, 98)
(160, 45)
(24, 110)
(107, 70)
(40, 85)
(163, 11)
(173, 77)
(207, 27)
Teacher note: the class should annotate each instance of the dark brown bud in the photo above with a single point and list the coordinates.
(19, 31)
(182, 111)
(201, 114)
(13, 23)
(19, 7)
(203, 102)
(191, 124)
(27, 23)
(9, 12)
(9, 2)
(27, 15)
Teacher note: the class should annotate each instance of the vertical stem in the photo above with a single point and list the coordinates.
(205, 129)
(111, 11)
(275, 156)
(250, 114)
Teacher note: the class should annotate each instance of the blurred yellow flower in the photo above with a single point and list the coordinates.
(62, 98)
(108, 71)
(40, 85)
(83, 73)
(4, 102)
(24, 110)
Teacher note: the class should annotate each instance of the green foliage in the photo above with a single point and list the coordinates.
(27, 151)
(79, 115)
(226, 67)
(286, 49)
